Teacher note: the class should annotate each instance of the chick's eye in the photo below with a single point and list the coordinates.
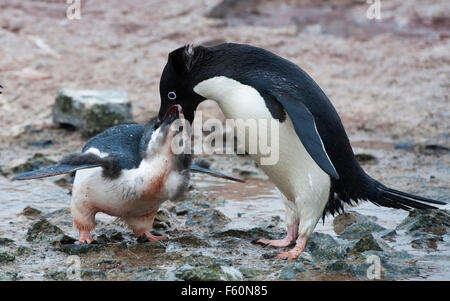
(172, 95)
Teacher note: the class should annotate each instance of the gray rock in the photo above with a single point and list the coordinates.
(111, 236)
(190, 273)
(366, 243)
(388, 234)
(58, 275)
(290, 271)
(31, 212)
(6, 241)
(81, 249)
(183, 208)
(93, 275)
(344, 220)
(21, 165)
(92, 111)
(436, 221)
(423, 240)
(8, 275)
(232, 8)
(63, 239)
(42, 230)
(22, 250)
(366, 158)
(252, 233)
(190, 240)
(339, 267)
(211, 219)
(6, 257)
(323, 247)
(358, 230)
(147, 275)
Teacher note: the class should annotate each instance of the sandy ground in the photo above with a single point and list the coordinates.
(388, 79)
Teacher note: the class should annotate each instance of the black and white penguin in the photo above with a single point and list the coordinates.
(126, 171)
(317, 172)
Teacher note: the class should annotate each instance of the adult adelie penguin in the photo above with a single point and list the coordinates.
(317, 171)
(127, 171)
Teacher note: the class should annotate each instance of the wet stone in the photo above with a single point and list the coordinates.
(366, 158)
(436, 221)
(8, 275)
(22, 250)
(388, 234)
(323, 247)
(249, 273)
(6, 241)
(147, 275)
(190, 241)
(183, 208)
(423, 240)
(31, 212)
(211, 219)
(77, 249)
(252, 233)
(21, 165)
(42, 229)
(58, 275)
(366, 243)
(93, 275)
(290, 272)
(92, 111)
(111, 236)
(339, 266)
(358, 230)
(6, 257)
(190, 273)
(344, 220)
(63, 239)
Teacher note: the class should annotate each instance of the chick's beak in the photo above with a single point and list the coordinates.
(172, 113)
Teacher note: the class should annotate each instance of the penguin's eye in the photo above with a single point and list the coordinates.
(172, 95)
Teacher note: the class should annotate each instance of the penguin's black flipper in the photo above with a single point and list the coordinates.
(197, 168)
(51, 171)
(306, 129)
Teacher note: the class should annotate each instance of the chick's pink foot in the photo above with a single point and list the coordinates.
(152, 237)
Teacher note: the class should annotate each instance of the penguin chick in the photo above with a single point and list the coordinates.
(127, 171)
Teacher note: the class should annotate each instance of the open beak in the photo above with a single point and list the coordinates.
(174, 108)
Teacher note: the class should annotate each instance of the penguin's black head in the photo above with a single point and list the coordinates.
(179, 77)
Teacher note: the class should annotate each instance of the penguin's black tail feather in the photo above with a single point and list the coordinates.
(389, 197)
(74, 162)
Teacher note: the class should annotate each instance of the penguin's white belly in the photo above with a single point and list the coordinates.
(136, 192)
(295, 174)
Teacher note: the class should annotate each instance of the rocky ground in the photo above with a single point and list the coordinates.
(388, 79)
(203, 247)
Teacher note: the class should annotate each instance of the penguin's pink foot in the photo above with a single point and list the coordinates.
(152, 237)
(296, 251)
(290, 238)
(85, 237)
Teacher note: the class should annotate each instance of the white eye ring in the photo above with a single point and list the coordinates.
(172, 95)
